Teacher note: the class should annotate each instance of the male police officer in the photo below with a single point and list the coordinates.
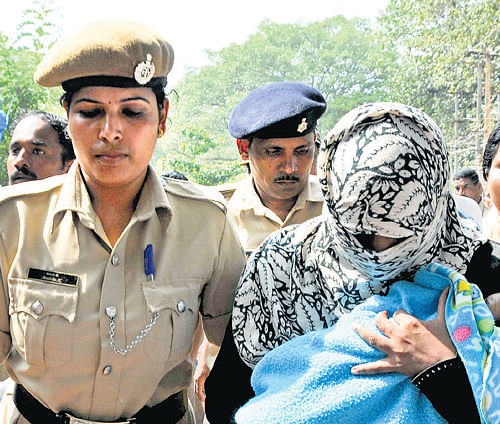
(274, 127)
(39, 148)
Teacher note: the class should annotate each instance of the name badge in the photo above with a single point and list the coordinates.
(53, 277)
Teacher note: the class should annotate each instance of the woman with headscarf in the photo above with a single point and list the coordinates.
(385, 177)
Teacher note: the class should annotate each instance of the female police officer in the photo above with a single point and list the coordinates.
(104, 271)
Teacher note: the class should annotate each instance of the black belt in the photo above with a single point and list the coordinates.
(170, 411)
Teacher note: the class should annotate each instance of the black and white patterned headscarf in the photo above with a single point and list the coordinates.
(384, 170)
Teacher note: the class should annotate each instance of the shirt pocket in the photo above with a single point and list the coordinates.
(41, 320)
(172, 336)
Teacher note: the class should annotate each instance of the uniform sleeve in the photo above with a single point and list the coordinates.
(5, 339)
(218, 295)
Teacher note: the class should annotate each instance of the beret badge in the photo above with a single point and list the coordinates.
(144, 71)
(302, 126)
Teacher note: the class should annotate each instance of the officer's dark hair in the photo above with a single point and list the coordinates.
(59, 125)
(490, 150)
(468, 173)
(175, 175)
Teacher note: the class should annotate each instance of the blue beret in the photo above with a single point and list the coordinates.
(277, 110)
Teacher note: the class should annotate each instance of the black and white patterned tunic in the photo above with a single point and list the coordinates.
(384, 170)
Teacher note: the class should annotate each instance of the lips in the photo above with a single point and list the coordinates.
(287, 180)
(22, 178)
(22, 174)
(111, 158)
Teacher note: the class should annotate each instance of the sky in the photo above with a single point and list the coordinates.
(192, 26)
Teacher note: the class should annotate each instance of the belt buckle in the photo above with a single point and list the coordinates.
(70, 419)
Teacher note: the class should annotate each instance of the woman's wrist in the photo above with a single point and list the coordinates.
(424, 377)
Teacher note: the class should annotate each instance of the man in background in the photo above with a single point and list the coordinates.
(40, 147)
(466, 182)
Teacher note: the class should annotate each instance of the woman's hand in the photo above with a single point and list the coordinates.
(202, 371)
(411, 345)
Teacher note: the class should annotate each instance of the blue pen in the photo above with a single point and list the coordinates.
(149, 263)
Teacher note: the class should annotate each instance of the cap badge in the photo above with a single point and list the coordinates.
(302, 126)
(144, 71)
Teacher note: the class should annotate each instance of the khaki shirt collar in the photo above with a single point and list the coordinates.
(246, 197)
(75, 197)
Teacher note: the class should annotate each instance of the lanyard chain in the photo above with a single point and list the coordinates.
(137, 339)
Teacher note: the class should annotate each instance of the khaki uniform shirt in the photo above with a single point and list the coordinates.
(254, 222)
(59, 275)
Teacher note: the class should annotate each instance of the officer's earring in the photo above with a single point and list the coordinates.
(160, 132)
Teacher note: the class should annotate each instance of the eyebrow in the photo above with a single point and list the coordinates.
(127, 99)
(33, 142)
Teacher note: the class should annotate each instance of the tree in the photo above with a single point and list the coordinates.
(433, 69)
(338, 56)
(190, 158)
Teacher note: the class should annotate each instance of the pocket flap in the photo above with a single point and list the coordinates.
(179, 297)
(40, 299)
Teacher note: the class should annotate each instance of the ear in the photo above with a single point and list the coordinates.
(243, 146)
(162, 125)
(68, 164)
(488, 202)
(65, 106)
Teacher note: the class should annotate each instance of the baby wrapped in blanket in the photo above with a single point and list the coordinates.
(308, 379)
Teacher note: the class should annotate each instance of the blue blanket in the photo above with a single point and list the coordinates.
(308, 379)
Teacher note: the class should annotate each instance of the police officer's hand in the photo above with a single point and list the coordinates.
(411, 345)
(202, 370)
(200, 375)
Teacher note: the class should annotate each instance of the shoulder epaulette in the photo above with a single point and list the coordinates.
(31, 188)
(227, 190)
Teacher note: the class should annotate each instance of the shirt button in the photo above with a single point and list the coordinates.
(107, 370)
(111, 311)
(37, 307)
(115, 260)
(181, 306)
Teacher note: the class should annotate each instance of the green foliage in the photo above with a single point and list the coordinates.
(434, 66)
(37, 30)
(338, 56)
(192, 158)
(18, 60)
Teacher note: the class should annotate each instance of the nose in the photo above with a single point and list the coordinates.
(459, 190)
(289, 164)
(22, 159)
(110, 129)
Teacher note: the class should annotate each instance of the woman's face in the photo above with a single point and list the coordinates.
(114, 132)
(493, 183)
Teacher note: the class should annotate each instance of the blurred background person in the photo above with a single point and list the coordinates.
(40, 147)
(467, 183)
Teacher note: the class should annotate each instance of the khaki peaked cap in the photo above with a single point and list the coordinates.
(106, 48)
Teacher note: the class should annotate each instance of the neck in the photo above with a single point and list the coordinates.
(114, 206)
(279, 207)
